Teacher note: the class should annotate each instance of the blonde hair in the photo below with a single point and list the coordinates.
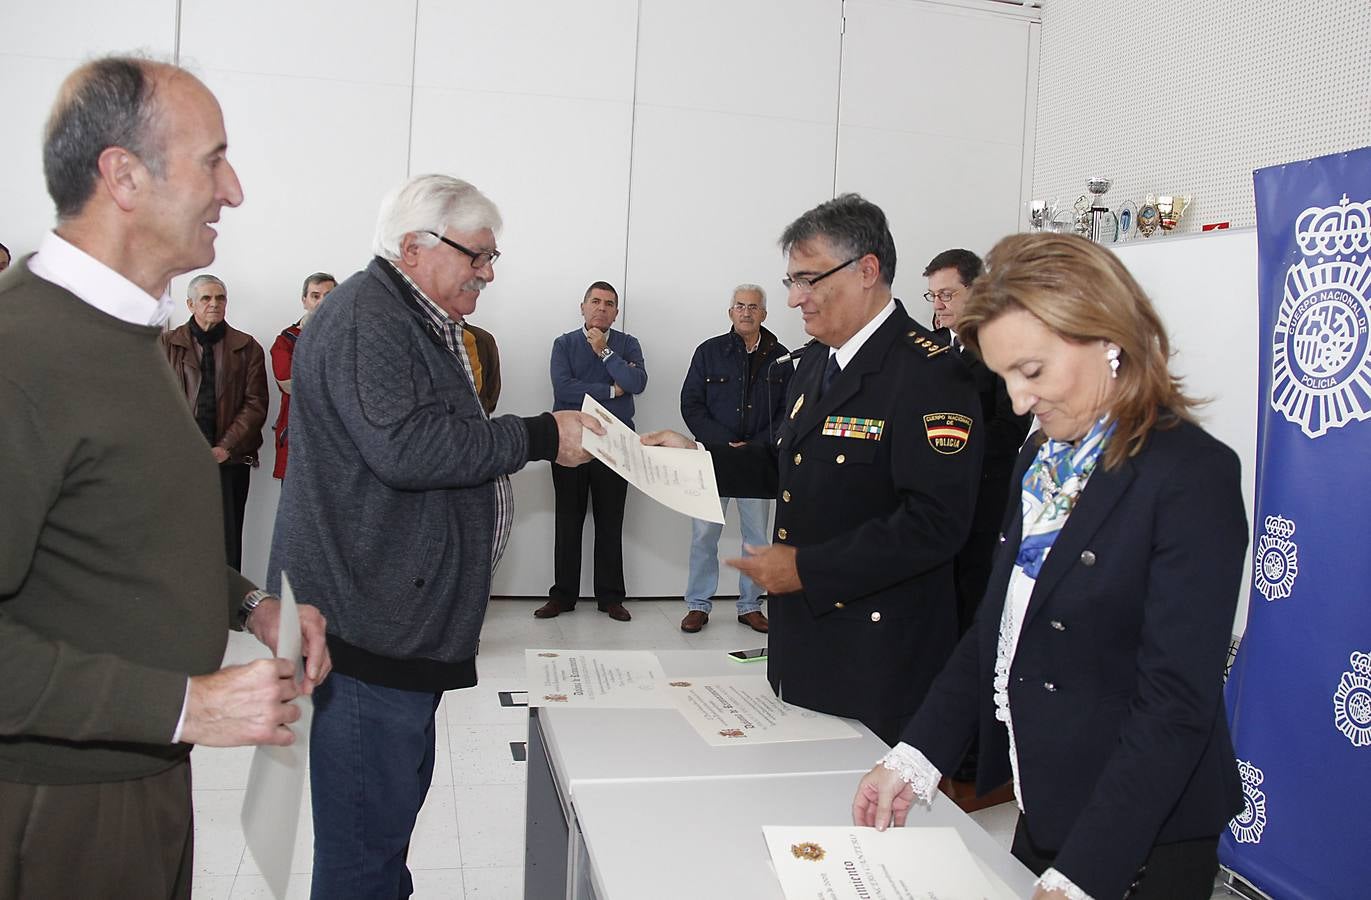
(1082, 293)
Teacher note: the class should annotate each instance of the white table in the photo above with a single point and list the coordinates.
(685, 839)
(568, 748)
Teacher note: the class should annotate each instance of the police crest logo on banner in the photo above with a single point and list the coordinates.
(1277, 559)
(1352, 701)
(1248, 825)
(1321, 349)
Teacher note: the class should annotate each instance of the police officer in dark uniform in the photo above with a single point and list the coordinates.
(876, 465)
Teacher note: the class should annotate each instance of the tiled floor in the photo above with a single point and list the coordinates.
(469, 841)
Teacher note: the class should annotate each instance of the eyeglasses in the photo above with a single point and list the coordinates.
(944, 295)
(479, 259)
(805, 285)
(747, 307)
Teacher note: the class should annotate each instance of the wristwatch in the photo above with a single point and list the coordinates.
(605, 354)
(250, 603)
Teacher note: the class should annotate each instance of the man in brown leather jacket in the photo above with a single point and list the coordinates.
(226, 388)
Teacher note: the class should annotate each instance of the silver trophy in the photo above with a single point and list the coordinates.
(1103, 224)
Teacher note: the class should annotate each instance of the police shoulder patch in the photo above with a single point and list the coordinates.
(947, 432)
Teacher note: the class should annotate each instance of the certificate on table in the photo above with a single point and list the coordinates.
(608, 679)
(837, 863)
(682, 480)
(733, 710)
(276, 781)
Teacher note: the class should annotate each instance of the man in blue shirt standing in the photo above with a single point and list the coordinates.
(607, 365)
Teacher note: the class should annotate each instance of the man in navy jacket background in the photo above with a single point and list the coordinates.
(607, 365)
(733, 391)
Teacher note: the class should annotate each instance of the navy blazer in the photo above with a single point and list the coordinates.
(1117, 682)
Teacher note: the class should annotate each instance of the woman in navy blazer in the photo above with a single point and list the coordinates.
(1093, 674)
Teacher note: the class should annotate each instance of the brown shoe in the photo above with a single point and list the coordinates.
(616, 612)
(754, 620)
(551, 609)
(694, 621)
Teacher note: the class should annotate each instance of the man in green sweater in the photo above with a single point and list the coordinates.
(115, 599)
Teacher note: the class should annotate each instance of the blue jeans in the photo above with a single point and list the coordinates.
(371, 753)
(754, 517)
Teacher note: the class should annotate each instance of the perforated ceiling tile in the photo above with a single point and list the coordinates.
(1186, 97)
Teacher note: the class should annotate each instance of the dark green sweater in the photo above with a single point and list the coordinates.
(113, 585)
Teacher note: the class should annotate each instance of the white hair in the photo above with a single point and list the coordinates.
(749, 289)
(201, 279)
(431, 203)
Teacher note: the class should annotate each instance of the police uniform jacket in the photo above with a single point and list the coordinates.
(1117, 681)
(876, 482)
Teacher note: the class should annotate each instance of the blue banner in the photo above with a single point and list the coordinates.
(1299, 694)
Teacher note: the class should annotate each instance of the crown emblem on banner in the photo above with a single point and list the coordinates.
(1333, 230)
(1352, 701)
(1321, 344)
(1276, 560)
(1247, 826)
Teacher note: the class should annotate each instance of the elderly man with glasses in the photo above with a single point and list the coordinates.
(733, 392)
(876, 463)
(396, 511)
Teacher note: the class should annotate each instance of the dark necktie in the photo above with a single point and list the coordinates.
(830, 373)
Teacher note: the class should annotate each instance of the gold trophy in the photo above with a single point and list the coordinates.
(1170, 208)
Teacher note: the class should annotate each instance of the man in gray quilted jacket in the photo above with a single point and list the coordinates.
(396, 510)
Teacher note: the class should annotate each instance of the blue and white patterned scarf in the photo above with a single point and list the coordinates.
(1051, 487)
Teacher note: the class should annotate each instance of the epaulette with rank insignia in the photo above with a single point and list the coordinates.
(923, 342)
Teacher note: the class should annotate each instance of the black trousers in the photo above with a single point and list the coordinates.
(1183, 870)
(606, 493)
(233, 484)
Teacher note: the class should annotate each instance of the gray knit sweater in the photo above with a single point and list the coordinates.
(386, 518)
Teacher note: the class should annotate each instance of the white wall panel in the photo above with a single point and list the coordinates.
(344, 40)
(934, 70)
(557, 168)
(932, 127)
(550, 47)
(772, 58)
(937, 194)
(76, 29)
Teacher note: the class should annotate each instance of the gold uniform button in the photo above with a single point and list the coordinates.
(798, 457)
(838, 605)
(785, 495)
(840, 458)
(781, 533)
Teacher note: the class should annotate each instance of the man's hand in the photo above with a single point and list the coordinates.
(265, 624)
(615, 390)
(569, 425)
(772, 567)
(220, 454)
(242, 705)
(597, 339)
(667, 438)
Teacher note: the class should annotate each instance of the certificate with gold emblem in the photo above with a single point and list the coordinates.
(608, 679)
(850, 863)
(736, 710)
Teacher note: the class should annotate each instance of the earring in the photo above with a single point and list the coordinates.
(1112, 354)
